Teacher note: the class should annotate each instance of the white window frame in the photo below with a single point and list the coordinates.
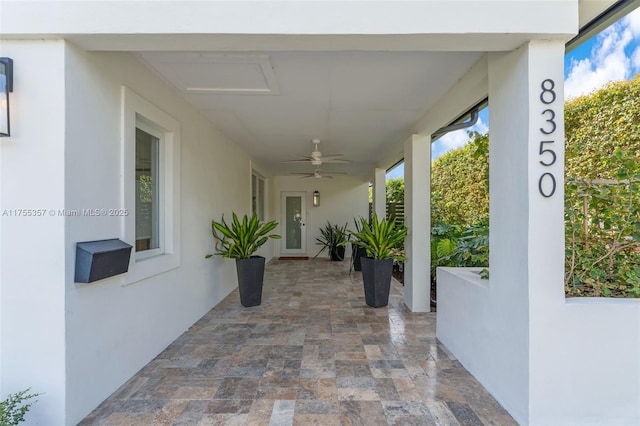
(137, 112)
(261, 197)
(145, 126)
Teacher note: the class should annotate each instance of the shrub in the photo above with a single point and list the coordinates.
(457, 246)
(14, 408)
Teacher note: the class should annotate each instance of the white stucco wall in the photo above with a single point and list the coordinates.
(548, 360)
(77, 343)
(114, 330)
(341, 199)
(499, 357)
(585, 363)
(32, 266)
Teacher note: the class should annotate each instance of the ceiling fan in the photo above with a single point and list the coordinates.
(317, 173)
(317, 158)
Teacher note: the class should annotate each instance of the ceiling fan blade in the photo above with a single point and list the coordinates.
(302, 174)
(335, 161)
(316, 158)
(306, 160)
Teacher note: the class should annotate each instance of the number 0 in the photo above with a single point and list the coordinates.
(553, 185)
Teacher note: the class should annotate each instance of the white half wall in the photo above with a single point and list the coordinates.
(500, 357)
(341, 199)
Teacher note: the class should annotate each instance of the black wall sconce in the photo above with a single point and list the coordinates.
(316, 198)
(6, 86)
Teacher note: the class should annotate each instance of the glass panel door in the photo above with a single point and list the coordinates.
(293, 218)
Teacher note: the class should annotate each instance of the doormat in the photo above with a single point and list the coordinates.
(294, 257)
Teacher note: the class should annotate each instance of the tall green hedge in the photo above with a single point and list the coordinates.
(602, 191)
(603, 131)
(460, 184)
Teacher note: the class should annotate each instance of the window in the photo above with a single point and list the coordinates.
(257, 195)
(151, 187)
(148, 190)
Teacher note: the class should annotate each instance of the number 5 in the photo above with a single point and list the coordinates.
(544, 150)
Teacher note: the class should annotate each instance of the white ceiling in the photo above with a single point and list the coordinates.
(274, 103)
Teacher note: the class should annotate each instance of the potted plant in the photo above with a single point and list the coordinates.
(240, 240)
(333, 238)
(382, 240)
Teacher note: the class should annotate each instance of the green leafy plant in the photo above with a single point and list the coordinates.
(460, 183)
(382, 239)
(458, 246)
(602, 235)
(241, 238)
(331, 237)
(602, 192)
(15, 407)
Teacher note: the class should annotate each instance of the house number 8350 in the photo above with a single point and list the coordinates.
(547, 181)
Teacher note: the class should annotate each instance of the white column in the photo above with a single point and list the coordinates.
(417, 207)
(380, 192)
(526, 217)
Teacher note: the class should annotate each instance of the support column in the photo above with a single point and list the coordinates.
(417, 208)
(380, 192)
(527, 223)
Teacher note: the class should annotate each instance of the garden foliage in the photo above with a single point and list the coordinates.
(602, 192)
(458, 246)
(15, 407)
(460, 184)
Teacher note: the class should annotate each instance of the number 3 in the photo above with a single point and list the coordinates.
(549, 120)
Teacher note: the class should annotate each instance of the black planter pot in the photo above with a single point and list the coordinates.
(337, 253)
(250, 279)
(376, 275)
(358, 253)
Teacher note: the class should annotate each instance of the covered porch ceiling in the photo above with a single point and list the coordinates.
(358, 103)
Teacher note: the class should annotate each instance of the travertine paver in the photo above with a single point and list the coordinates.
(312, 353)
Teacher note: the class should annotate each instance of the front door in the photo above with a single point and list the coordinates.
(294, 216)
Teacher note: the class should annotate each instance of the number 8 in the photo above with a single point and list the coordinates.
(546, 89)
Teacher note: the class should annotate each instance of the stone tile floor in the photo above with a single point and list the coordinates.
(312, 353)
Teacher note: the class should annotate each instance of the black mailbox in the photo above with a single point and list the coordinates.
(96, 260)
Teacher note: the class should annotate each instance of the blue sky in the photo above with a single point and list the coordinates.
(611, 55)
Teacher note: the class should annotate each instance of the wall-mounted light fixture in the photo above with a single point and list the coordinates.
(316, 198)
(6, 86)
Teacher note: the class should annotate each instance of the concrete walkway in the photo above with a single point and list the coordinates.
(312, 353)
